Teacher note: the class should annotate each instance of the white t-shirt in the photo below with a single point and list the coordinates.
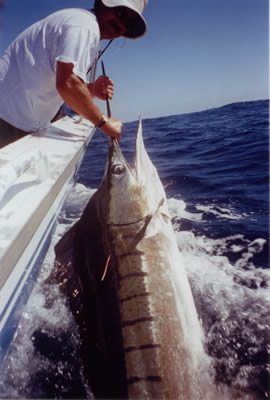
(28, 95)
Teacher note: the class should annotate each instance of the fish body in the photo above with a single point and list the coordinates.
(138, 323)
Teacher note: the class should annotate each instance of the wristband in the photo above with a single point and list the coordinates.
(102, 122)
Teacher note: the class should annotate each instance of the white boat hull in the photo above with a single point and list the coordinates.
(29, 207)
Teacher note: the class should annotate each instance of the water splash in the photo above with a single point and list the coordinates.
(233, 302)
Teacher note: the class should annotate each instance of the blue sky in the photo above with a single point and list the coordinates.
(197, 54)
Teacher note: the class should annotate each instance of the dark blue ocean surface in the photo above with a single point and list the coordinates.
(214, 166)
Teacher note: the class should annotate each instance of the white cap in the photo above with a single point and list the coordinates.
(138, 27)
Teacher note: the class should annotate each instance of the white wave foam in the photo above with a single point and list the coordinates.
(177, 209)
(220, 212)
(45, 315)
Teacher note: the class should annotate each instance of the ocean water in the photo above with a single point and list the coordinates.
(214, 166)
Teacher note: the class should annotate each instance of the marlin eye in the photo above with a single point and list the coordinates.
(118, 169)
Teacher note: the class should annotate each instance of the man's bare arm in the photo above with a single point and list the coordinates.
(78, 97)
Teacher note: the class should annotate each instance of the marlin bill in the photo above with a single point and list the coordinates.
(125, 280)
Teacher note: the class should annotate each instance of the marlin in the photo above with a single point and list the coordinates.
(125, 279)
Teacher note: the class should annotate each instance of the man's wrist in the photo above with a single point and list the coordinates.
(102, 122)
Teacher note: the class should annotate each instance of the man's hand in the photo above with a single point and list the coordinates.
(101, 88)
(113, 128)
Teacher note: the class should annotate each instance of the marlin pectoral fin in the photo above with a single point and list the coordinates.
(63, 260)
(65, 245)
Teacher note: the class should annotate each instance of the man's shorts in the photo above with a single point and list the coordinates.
(9, 133)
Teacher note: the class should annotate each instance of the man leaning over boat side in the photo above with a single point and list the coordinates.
(47, 65)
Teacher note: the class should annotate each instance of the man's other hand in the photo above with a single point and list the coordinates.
(102, 87)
